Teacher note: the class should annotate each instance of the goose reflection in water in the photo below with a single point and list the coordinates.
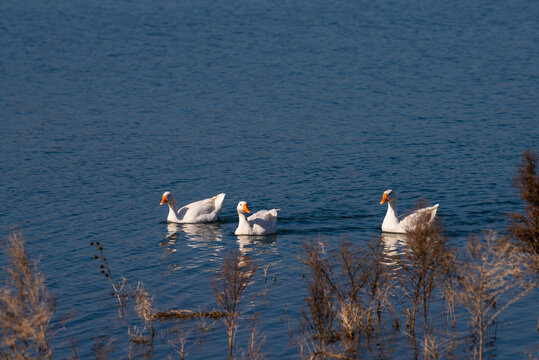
(197, 235)
(170, 238)
(172, 233)
(393, 244)
(249, 243)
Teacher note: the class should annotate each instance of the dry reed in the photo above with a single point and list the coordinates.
(524, 228)
(229, 287)
(256, 341)
(26, 307)
(490, 279)
(423, 267)
(103, 347)
(121, 287)
(144, 308)
(179, 345)
(348, 291)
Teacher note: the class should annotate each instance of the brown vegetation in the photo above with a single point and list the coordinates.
(103, 347)
(425, 266)
(120, 288)
(490, 279)
(189, 315)
(348, 291)
(229, 287)
(26, 307)
(524, 228)
(144, 308)
(353, 293)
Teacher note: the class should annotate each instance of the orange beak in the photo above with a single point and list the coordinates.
(163, 200)
(384, 198)
(245, 208)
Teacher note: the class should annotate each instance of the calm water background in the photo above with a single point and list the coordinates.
(314, 107)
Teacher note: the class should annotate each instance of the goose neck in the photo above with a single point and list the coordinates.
(172, 209)
(242, 217)
(392, 208)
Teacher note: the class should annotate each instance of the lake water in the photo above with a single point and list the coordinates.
(313, 107)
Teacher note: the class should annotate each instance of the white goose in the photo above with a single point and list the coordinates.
(391, 221)
(201, 211)
(263, 222)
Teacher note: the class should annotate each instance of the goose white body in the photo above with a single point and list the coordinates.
(202, 211)
(263, 222)
(391, 221)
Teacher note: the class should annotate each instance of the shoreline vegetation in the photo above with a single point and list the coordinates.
(358, 296)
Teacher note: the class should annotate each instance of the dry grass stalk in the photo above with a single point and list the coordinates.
(137, 336)
(310, 350)
(290, 332)
(229, 287)
(75, 355)
(431, 348)
(121, 287)
(140, 345)
(254, 350)
(198, 329)
(525, 227)
(318, 322)
(179, 344)
(490, 280)
(423, 268)
(103, 347)
(439, 347)
(26, 307)
(203, 325)
(380, 285)
(448, 288)
(146, 312)
(532, 352)
(144, 308)
(350, 307)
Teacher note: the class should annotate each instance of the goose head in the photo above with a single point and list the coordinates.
(389, 196)
(168, 199)
(242, 207)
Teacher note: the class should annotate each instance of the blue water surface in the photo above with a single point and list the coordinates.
(314, 107)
